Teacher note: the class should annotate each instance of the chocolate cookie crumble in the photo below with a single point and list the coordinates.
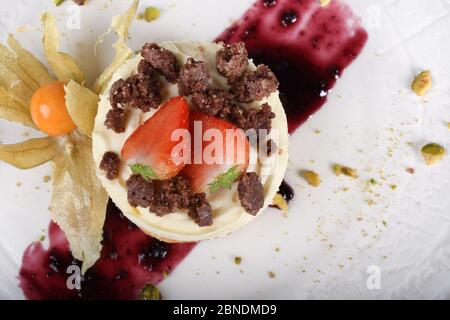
(171, 195)
(111, 165)
(116, 119)
(232, 61)
(214, 102)
(193, 77)
(163, 60)
(200, 210)
(255, 85)
(140, 191)
(251, 192)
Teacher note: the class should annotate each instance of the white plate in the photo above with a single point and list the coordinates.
(332, 240)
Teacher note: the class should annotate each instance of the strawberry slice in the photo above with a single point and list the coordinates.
(223, 157)
(150, 150)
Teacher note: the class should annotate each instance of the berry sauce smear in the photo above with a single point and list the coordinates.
(306, 45)
(129, 260)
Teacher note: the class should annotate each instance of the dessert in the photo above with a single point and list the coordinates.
(175, 86)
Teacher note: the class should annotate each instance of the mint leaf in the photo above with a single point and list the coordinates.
(145, 171)
(225, 180)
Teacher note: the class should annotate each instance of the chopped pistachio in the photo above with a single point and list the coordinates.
(237, 260)
(42, 238)
(346, 171)
(280, 202)
(312, 177)
(432, 153)
(422, 83)
(151, 14)
(58, 2)
(150, 292)
(393, 186)
(372, 181)
(324, 3)
(384, 223)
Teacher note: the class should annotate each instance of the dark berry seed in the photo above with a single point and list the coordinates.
(288, 18)
(269, 3)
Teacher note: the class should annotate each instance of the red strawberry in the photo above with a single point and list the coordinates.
(226, 164)
(150, 149)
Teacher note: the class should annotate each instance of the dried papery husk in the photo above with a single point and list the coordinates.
(79, 201)
(81, 104)
(30, 153)
(120, 26)
(64, 67)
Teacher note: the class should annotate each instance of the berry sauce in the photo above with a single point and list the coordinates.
(129, 260)
(306, 46)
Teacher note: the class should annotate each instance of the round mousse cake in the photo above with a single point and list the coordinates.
(217, 83)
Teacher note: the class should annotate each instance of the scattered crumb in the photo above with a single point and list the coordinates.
(277, 249)
(271, 275)
(372, 181)
(23, 29)
(422, 83)
(324, 3)
(18, 184)
(237, 260)
(280, 202)
(346, 171)
(393, 186)
(410, 170)
(384, 223)
(432, 153)
(42, 238)
(317, 131)
(58, 2)
(312, 177)
(448, 125)
(150, 14)
(46, 179)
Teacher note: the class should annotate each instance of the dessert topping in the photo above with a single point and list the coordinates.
(116, 120)
(200, 210)
(163, 60)
(151, 146)
(251, 192)
(232, 61)
(193, 77)
(255, 85)
(111, 165)
(140, 191)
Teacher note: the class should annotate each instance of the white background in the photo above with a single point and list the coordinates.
(330, 237)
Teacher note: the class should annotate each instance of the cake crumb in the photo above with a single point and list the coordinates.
(46, 179)
(237, 260)
(324, 3)
(271, 275)
(346, 171)
(312, 177)
(432, 153)
(422, 83)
